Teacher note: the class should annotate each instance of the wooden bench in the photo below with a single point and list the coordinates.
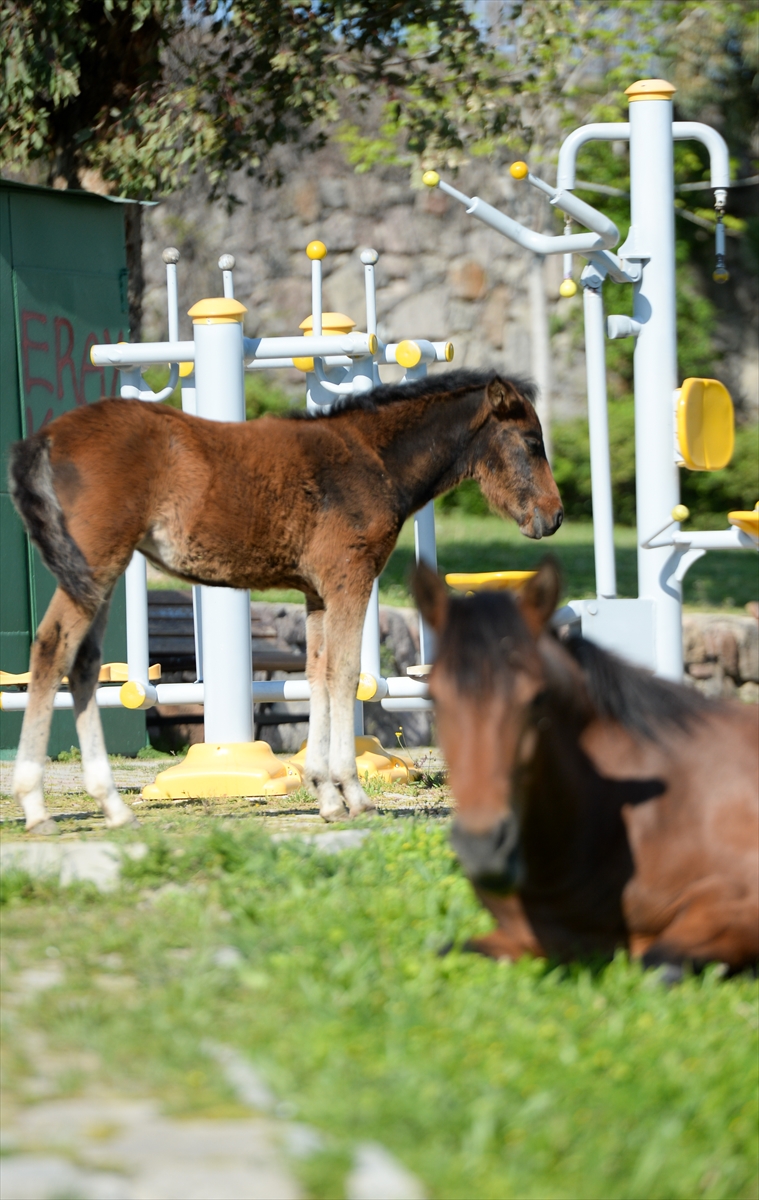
(171, 633)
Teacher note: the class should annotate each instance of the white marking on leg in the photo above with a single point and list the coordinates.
(96, 769)
(27, 791)
(344, 650)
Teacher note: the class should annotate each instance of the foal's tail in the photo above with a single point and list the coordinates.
(30, 480)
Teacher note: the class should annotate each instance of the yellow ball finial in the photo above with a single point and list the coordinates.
(408, 354)
(316, 250)
(680, 513)
(430, 178)
(568, 288)
(519, 170)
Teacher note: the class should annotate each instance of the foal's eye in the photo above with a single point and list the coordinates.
(534, 443)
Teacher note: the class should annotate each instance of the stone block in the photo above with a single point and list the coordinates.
(305, 199)
(460, 316)
(338, 232)
(749, 692)
(467, 280)
(748, 651)
(419, 316)
(494, 315)
(334, 193)
(721, 645)
(344, 292)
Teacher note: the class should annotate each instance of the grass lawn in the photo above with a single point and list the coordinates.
(721, 580)
(486, 1080)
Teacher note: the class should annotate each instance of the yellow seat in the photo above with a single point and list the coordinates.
(492, 581)
(705, 424)
(747, 521)
(109, 673)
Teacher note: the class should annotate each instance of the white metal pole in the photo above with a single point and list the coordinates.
(540, 346)
(225, 615)
(189, 405)
(226, 266)
(657, 484)
(598, 425)
(425, 550)
(138, 646)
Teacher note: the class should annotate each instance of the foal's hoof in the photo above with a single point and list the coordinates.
(43, 828)
(366, 808)
(336, 813)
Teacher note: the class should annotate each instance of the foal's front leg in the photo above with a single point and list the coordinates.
(83, 679)
(331, 806)
(344, 625)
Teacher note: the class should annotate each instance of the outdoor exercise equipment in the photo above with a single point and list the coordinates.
(691, 426)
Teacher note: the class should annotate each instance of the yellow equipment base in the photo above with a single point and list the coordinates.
(747, 521)
(233, 769)
(372, 759)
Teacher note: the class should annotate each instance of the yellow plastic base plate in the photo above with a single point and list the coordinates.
(491, 581)
(747, 521)
(372, 759)
(233, 769)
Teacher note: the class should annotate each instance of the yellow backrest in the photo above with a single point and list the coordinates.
(705, 424)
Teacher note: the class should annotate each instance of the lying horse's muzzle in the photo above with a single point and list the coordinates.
(491, 860)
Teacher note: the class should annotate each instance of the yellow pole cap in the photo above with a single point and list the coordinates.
(186, 369)
(650, 89)
(680, 513)
(316, 250)
(408, 354)
(132, 694)
(430, 178)
(217, 310)
(721, 276)
(519, 170)
(568, 288)
(367, 686)
(448, 352)
(333, 324)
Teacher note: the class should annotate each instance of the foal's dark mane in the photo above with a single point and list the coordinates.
(447, 384)
(486, 642)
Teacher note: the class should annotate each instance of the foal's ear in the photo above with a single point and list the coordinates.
(504, 398)
(540, 595)
(430, 595)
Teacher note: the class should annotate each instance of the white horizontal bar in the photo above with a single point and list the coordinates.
(357, 345)
(722, 539)
(412, 704)
(140, 354)
(107, 697)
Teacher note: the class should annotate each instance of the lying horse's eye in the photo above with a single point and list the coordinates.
(534, 444)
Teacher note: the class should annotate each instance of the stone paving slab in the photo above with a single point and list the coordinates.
(70, 862)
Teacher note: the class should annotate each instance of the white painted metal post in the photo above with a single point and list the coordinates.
(540, 346)
(370, 650)
(225, 616)
(226, 266)
(425, 550)
(138, 646)
(655, 362)
(189, 405)
(598, 424)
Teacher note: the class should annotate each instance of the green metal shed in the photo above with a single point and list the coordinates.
(63, 288)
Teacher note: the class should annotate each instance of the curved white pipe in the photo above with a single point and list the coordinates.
(614, 131)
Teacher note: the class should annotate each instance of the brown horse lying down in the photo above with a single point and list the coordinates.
(597, 806)
(310, 503)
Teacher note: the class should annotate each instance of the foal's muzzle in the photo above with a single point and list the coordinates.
(542, 524)
(491, 860)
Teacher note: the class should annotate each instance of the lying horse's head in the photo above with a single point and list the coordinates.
(511, 465)
(489, 668)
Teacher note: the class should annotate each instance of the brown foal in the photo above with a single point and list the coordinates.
(313, 503)
(597, 807)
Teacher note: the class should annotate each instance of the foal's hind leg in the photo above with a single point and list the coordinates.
(61, 631)
(83, 679)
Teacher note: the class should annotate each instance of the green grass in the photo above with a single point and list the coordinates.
(721, 580)
(487, 1080)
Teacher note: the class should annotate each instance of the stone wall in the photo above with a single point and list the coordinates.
(441, 274)
(722, 655)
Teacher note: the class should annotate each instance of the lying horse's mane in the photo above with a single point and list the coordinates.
(639, 701)
(449, 383)
(486, 642)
